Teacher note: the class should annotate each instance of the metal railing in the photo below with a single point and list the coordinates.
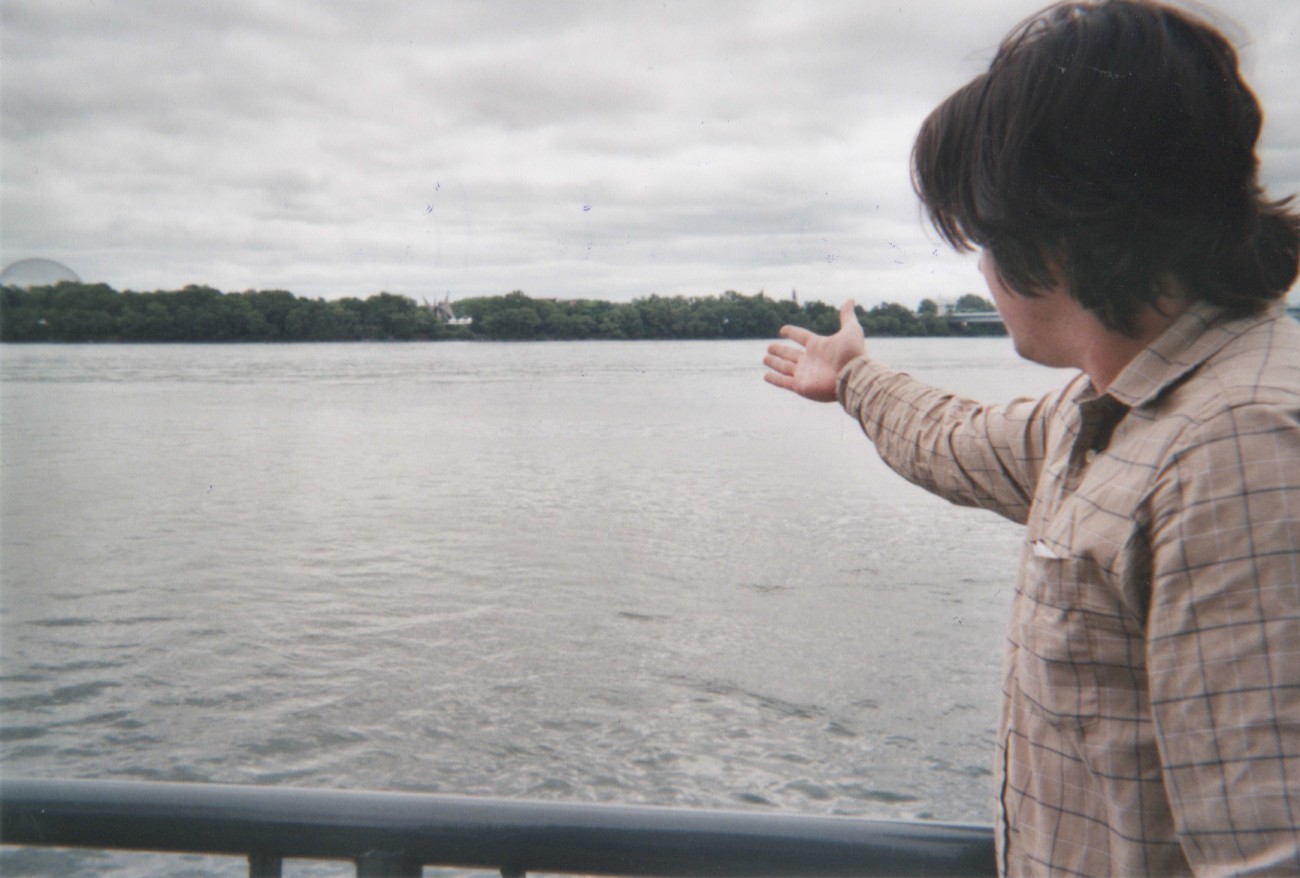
(396, 834)
(973, 316)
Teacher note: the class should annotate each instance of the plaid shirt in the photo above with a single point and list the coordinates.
(1150, 719)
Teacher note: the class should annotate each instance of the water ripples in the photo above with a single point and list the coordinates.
(622, 573)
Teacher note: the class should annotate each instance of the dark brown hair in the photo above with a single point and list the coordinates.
(1111, 145)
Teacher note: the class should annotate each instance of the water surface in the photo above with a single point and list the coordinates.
(623, 572)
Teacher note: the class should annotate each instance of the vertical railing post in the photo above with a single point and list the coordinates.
(264, 866)
(387, 864)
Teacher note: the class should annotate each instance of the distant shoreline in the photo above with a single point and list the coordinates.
(72, 312)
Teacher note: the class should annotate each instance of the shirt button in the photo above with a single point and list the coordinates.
(1089, 455)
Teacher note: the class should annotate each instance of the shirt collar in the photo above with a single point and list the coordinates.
(1199, 332)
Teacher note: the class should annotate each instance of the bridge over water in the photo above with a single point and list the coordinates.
(973, 317)
(994, 317)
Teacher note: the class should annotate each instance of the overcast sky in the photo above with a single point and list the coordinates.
(599, 150)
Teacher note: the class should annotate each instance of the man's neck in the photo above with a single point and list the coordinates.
(1105, 352)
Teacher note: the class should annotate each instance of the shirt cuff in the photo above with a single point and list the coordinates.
(855, 379)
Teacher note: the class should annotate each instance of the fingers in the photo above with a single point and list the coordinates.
(796, 334)
(783, 352)
(782, 359)
(799, 335)
(785, 382)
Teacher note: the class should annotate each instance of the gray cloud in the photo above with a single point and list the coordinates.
(575, 149)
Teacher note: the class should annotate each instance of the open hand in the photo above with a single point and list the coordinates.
(813, 369)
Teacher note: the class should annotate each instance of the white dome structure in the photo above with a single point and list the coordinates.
(28, 273)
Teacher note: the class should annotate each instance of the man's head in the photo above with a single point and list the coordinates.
(1110, 147)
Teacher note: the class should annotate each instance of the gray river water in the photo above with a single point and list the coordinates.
(617, 572)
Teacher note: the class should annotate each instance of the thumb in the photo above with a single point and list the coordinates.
(847, 316)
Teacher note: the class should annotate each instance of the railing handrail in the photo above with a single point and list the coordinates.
(407, 830)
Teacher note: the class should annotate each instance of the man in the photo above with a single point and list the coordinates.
(1105, 164)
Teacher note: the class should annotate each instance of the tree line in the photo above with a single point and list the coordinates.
(78, 312)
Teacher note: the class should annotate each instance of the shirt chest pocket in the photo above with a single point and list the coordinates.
(1056, 632)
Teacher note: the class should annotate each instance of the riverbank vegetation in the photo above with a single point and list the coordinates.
(78, 312)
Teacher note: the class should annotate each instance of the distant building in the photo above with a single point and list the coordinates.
(28, 273)
(442, 310)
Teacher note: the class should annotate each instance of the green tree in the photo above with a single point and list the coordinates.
(387, 316)
(890, 319)
(972, 302)
(274, 306)
(622, 321)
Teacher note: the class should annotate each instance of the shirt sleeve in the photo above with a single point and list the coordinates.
(1224, 640)
(965, 452)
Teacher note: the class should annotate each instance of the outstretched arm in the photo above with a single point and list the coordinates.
(967, 453)
(813, 369)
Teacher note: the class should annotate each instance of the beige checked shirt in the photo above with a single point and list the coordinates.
(1150, 719)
